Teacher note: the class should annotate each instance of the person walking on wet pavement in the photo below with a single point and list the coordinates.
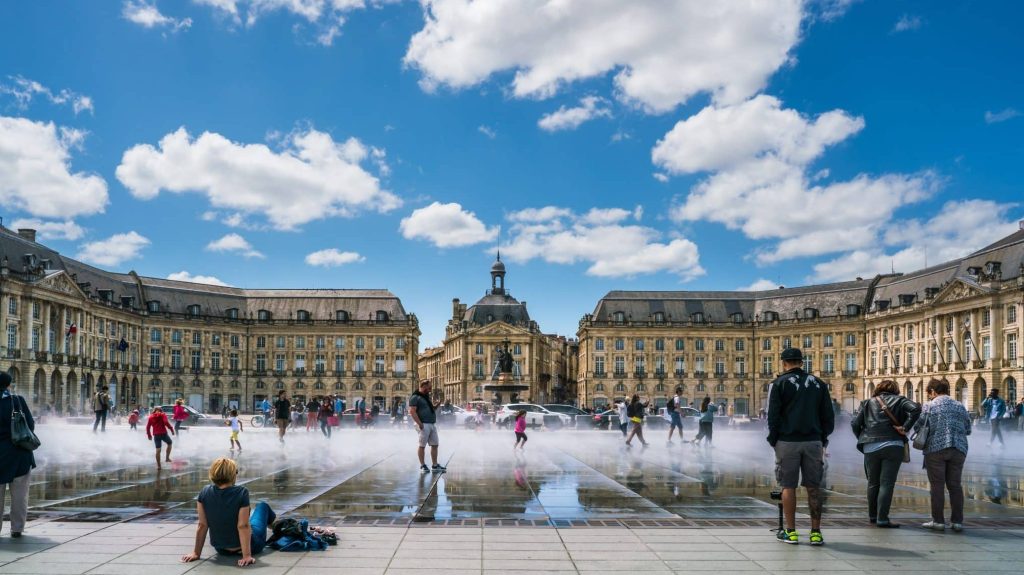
(800, 419)
(157, 429)
(180, 415)
(994, 408)
(945, 451)
(623, 408)
(101, 405)
(674, 410)
(282, 413)
(520, 429)
(881, 427)
(636, 412)
(422, 411)
(1018, 413)
(312, 413)
(326, 412)
(707, 422)
(236, 428)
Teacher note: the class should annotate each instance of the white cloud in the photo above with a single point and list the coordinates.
(114, 250)
(590, 107)
(35, 172)
(325, 16)
(24, 90)
(1002, 116)
(760, 285)
(184, 276)
(233, 243)
(960, 228)
(662, 52)
(146, 14)
(311, 177)
(759, 156)
(332, 258)
(446, 226)
(66, 230)
(487, 131)
(598, 238)
(906, 22)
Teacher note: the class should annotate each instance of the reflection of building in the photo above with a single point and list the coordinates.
(469, 353)
(154, 340)
(959, 321)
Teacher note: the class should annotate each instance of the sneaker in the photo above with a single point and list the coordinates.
(816, 538)
(788, 536)
(934, 526)
(958, 527)
(424, 469)
(438, 468)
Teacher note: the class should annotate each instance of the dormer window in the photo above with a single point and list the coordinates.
(127, 301)
(263, 315)
(620, 317)
(852, 309)
(737, 317)
(231, 313)
(659, 317)
(697, 317)
(382, 315)
(810, 313)
(341, 315)
(153, 305)
(771, 316)
(106, 294)
(302, 315)
(882, 304)
(194, 310)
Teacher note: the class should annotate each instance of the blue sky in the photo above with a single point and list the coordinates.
(602, 145)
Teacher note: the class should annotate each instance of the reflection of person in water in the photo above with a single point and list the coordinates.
(635, 475)
(996, 487)
(519, 472)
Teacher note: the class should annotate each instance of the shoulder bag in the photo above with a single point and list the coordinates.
(21, 435)
(920, 438)
(899, 429)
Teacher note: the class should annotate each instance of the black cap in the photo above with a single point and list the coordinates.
(792, 354)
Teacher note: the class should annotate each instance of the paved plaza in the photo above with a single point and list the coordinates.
(575, 501)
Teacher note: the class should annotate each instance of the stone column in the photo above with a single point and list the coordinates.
(45, 344)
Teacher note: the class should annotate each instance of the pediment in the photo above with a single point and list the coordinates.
(499, 328)
(61, 283)
(960, 289)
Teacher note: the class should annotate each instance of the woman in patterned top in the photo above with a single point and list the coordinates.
(945, 453)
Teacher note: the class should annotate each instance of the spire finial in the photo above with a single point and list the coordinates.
(499, 255)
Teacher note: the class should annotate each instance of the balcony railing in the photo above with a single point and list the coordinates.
(849, 373)
(178, 370)
(700, 374)
(155, 369)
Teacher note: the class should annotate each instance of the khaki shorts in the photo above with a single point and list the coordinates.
(799, 460)
(428, 435)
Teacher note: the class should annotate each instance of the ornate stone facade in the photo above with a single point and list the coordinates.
(154, 340)
(960, 320)
(467, 358)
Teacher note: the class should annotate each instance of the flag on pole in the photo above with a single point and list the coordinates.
(122, 345)
(72, 330)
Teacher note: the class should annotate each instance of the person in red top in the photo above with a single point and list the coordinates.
(180, 414)
(157, 428)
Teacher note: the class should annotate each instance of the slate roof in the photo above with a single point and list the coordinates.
(175, 296)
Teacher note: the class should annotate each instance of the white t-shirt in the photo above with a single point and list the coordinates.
(235, 426)
(622, 413)
(679, 403)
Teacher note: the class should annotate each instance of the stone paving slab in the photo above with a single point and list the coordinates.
(119, 548)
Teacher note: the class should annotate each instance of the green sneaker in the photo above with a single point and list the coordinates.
(816, 538)
(788, 536)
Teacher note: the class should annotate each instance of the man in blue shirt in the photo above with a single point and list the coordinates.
(422, 412)
(994, 408)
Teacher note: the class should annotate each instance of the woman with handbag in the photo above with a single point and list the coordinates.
(944, 429)
(881, 430)
(636, 411)
(15, 461)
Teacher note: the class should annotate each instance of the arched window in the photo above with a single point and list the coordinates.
(231, 313)
(279, 385)
(261, 385)
(302, 315)
(194, 310)
(701, 388)
(720, 388)
(640, 388)
(620, 388)
(378, 386)
(263, 315)
(382, 315)
(358, 386)
(660, 388)
(341, 315)
(849, 388)
(599, 388)
(659, 317)
(620, 317)
(318, 385)
(741, 388)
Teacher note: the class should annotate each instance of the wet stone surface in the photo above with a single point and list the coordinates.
(562, 476)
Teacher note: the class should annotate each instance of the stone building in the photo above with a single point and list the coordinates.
(958, 321)
(542, 364)
(71, 328)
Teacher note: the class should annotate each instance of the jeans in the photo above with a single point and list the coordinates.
(260, 519)
(177, 426)
(945, 470)
(996, 432)
(324, 427)
(881, 468)
(623, 427)
(101, 415)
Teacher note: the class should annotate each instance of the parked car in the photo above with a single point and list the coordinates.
(606, 419)
(536, 415)
(194, 416)
(572, 411)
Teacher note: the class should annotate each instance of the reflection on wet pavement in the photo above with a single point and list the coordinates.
(565, 475)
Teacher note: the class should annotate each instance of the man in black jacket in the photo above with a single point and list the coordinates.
(800, 419)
